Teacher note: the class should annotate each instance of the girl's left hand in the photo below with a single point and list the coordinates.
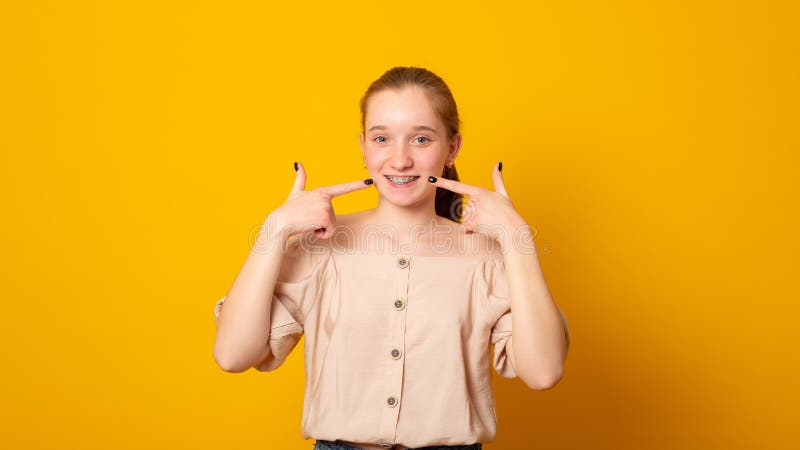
(489, 212)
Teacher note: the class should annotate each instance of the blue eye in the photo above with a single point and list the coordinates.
(380, 137)
(422, 137)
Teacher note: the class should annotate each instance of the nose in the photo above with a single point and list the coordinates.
(401, 158)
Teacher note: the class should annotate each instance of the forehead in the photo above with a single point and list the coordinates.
(404, 108)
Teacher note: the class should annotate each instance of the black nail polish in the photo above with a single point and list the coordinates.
(368, 181)
(432, 179)
(295, 166)
(500, 166)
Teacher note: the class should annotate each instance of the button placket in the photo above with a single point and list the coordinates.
(396, 362)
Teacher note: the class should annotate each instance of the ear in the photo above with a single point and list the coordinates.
(361, 142)
(455, 146)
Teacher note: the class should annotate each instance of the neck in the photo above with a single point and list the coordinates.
(407, 221)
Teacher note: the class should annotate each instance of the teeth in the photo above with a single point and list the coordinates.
(401, 180)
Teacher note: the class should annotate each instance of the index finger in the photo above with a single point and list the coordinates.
(343, 188)
(453, 185)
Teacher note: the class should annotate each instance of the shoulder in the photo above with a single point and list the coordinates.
(478, 245)
(466, 243)
(304, 251)
(351, 220)
(348, 226)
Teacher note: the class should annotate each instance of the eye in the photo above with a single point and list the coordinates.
(423, 137)
(379, 139)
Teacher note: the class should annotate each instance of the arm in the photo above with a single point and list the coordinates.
(243, 326)
(245, 323)
(540, 339)
(537, 348)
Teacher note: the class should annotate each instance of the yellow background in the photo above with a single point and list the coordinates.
(653, 145)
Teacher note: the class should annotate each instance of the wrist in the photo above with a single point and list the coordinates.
(272, 232)
(518, 238)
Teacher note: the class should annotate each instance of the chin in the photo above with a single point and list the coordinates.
(403, 199)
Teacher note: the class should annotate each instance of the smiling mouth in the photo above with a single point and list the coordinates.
(401, 180)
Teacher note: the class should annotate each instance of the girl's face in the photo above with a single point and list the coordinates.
(404, 142)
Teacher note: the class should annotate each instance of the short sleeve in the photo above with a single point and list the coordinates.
(498, 303)
(297, 290)
(494, 290)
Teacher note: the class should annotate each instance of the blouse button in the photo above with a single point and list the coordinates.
(402, 262)
(395, 353)
(391, 401)
(399, 305)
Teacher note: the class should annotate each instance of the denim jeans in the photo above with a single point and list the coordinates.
(339, 445)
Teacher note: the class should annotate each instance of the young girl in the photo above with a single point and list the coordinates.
(400, 304)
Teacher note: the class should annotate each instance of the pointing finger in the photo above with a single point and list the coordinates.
(299, 178)
(497, 178)
(344, 188)
(453, 185)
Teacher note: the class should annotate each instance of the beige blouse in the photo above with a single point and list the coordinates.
(397, 346)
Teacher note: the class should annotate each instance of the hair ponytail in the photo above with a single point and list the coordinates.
(449, 204)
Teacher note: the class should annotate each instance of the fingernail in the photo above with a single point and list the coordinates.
(295, 166)
(432, 179)
(500, 166)
(368, 181)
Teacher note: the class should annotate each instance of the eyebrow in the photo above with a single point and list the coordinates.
(418, 127)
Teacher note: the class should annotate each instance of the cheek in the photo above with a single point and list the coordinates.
(373, 158)
(434, 158)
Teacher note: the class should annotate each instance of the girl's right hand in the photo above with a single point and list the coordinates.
(311, 210)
